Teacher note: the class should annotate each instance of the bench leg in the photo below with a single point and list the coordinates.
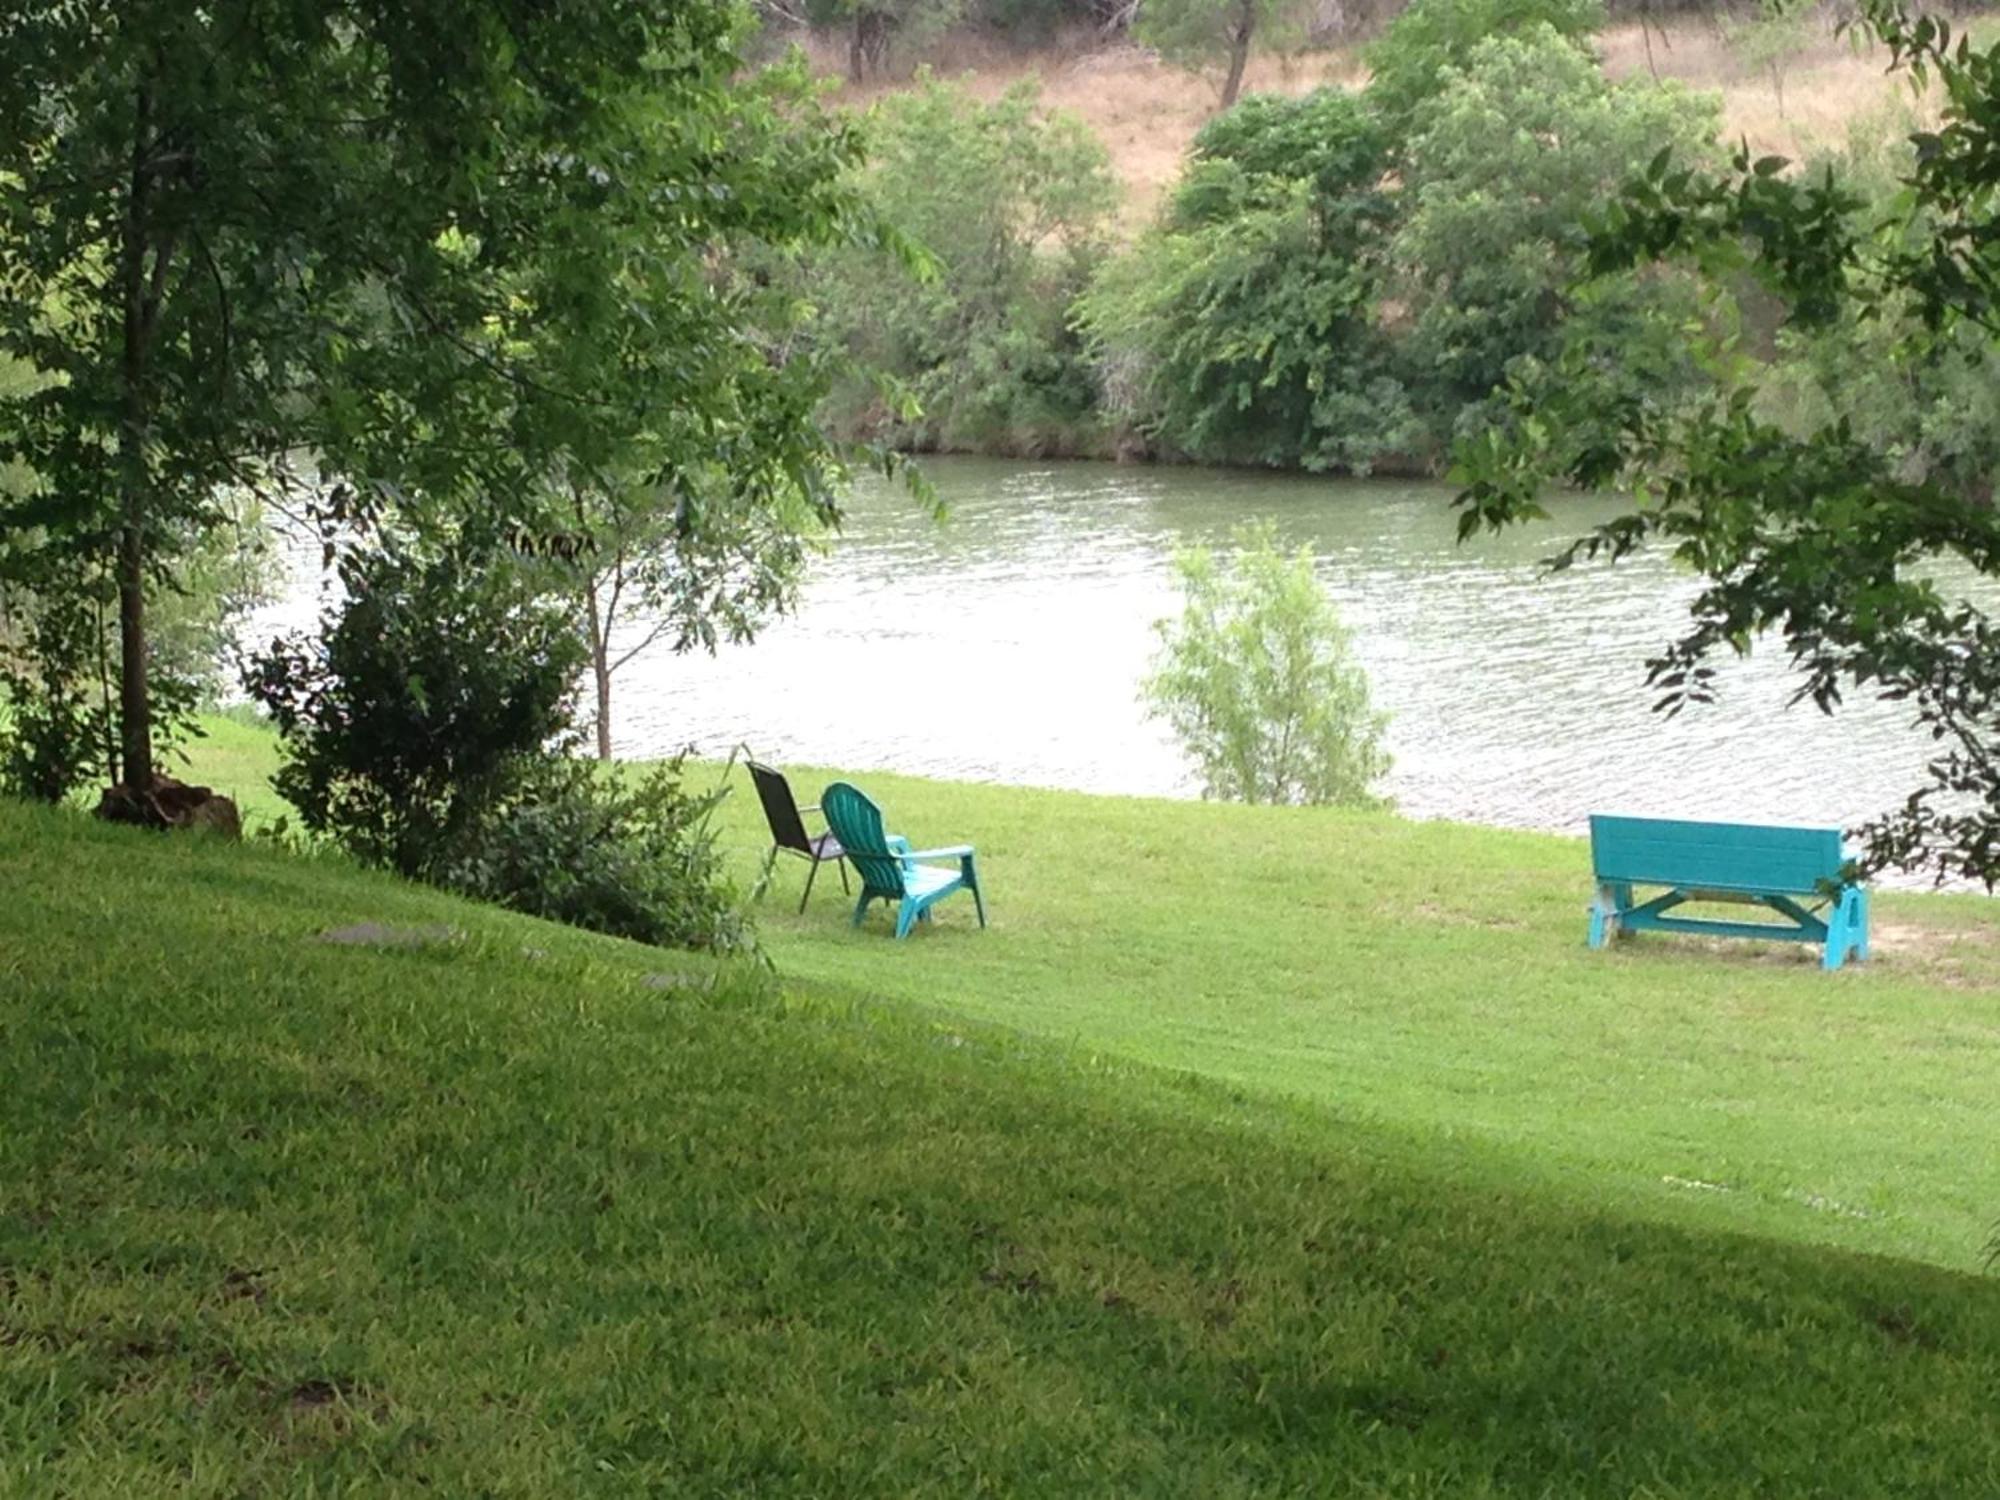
(1603, 917)
(1836, 936)
(1847, 928)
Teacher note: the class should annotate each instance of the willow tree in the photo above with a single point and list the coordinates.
(419, 254)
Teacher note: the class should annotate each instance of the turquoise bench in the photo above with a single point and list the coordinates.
(1780, 868)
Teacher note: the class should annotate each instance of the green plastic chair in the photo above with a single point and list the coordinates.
(890, 869)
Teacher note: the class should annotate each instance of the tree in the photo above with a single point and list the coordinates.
(1406, 61)
(1770, 37)
(680, 566)
(874, 26)
(443, 249)
(1500, 166)
(406, 718)
(1257, 677)
(1202, 35)
(1012, 209)
(1243, 328)
(1864, 568)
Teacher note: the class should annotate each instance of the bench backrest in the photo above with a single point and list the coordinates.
(1713, 856)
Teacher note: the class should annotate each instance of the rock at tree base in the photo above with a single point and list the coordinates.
(168, 803)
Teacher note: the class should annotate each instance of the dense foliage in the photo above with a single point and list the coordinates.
(1502, 164)
(425, 729)
(405, 719)
(1864, 544)
(629, 853)
(1343, 280)
(1012, 209)
(1258, 679)
(1244, 329)
(419, 257)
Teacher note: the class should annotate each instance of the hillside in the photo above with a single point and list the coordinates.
(1147, 113)
(482, 1206)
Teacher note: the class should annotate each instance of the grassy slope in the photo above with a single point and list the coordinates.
(277, 1216)
(1431, 979)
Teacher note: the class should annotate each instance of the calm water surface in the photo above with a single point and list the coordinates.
(1006, 644)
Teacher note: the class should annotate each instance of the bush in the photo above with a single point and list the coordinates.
(1407, 62)
(424, 730)
(1502, 169)
(629, 855)
(1258, 679)
(1013, 208)
(405, 720)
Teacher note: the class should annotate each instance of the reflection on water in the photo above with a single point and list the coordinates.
(1007, 643)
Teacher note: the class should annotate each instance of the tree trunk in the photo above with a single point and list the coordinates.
(135, 708)
(856, 52)
(603, 674)
(1239, 50)
(600, 667)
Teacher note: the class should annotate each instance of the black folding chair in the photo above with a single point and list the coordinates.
(788, 828)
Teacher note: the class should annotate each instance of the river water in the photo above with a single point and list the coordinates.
(1007, 642)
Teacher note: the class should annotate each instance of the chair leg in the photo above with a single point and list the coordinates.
(860, 909)
(906, 918)
(841, 865)
(810, 876)
(979, 901)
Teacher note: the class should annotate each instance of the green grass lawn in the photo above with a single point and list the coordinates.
(528, 1212)
(1247, 1152)
(1431, 980)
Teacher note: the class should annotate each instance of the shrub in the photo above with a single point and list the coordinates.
(1407, 62)
(1257, 677)
(1502, 168)
(424, 730)
(1013, 208)
(405, 719)
(632, 855)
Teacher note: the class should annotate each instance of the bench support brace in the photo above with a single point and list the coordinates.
(1842, 933)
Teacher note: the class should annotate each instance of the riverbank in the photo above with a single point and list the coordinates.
(509, 1208)
(1146, 112)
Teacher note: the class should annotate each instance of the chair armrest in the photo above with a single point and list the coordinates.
(956, 851)
(810, 807)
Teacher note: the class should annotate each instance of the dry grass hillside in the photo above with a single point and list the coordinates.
(1147, 112)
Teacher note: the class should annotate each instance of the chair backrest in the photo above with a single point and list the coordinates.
(857, 823)
(781, 809)
(1713, 856)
